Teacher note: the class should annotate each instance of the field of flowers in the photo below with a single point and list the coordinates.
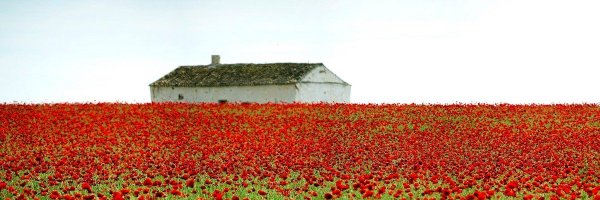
(299, 151)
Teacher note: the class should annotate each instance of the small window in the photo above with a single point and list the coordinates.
(180, 97)
(322, 71)
(221, 101)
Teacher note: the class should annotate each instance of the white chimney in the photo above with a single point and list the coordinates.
(216, 59)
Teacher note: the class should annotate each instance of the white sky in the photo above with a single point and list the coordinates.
(426, 51)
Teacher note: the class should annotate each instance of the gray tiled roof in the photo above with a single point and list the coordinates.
(235, 75)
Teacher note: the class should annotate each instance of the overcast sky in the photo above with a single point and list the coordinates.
(425, 51)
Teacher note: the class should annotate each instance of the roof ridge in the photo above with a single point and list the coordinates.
(250, 64)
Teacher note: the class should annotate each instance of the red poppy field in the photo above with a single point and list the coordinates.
(299, 151)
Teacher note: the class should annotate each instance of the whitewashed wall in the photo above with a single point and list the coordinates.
(323, 92)
(322, 85)
(259, 94)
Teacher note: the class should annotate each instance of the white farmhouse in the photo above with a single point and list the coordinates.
(259, 83)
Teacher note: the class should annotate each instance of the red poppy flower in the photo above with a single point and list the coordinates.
(217, 195)
(2, 185)
(86, 186)
(262, 192)
(148, 182)
(54, 194)
(367, 194)
(336, 192)
(190, 183)
(176, 192)
(117, 196)
(510, 193)
(512, 185)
